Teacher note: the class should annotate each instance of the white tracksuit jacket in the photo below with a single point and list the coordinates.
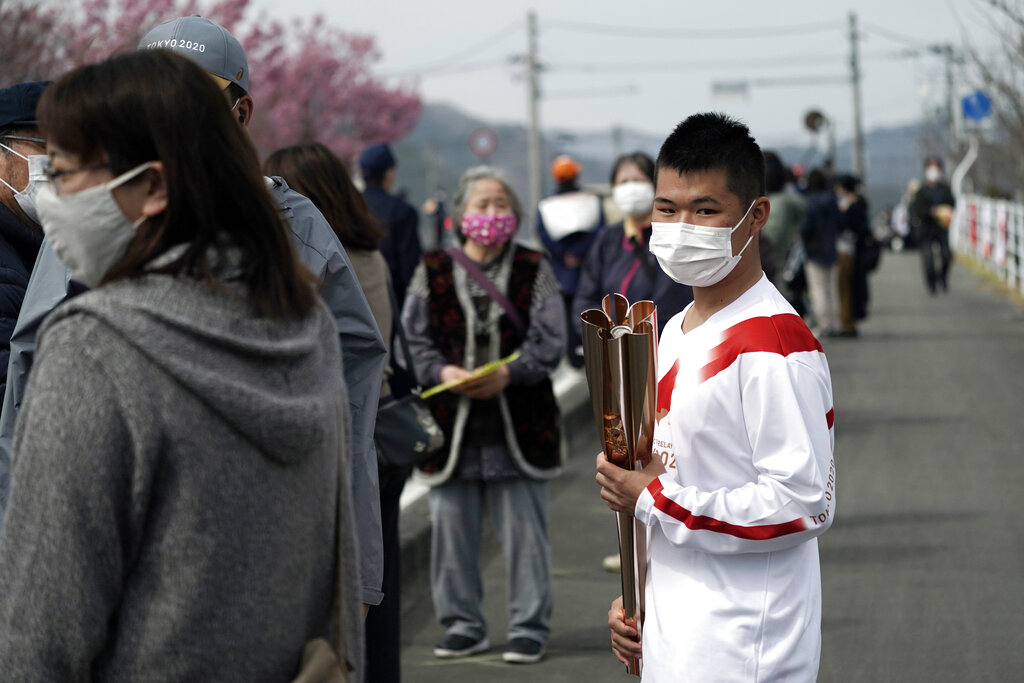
(733, 587)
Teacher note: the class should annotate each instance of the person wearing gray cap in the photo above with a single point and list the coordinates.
(22, 158)
(363, 353)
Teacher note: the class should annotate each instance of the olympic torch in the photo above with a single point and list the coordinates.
(620, 344)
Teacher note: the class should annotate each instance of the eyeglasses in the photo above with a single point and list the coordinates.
(52, 176)
(23, 138)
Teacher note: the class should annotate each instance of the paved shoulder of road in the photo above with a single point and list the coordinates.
(923, 570)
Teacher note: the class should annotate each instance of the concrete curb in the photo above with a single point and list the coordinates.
(573, 397)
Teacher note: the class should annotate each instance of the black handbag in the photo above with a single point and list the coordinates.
(406, 432)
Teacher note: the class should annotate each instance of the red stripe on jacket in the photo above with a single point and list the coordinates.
(830, 417)
(783, 334)
(699, 522)
(665, 387)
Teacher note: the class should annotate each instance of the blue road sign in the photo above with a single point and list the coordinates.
(976, 106)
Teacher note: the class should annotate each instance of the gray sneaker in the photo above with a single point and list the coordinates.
(523, 651)
(454, 646)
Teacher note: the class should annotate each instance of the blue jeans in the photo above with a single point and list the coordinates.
(519, 508)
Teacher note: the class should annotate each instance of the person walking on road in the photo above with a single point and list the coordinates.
(738, 495)
(931, 211)
(180, 458)
(468, 306)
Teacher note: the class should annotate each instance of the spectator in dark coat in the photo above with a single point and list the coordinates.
(401, 244)
(819, 231)
(20, 235)
(619, 261)
(567, 225)
(853, 237)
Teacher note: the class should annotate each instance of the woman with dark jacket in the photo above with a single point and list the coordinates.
(178, 475)
(465, 307)
(619, 261)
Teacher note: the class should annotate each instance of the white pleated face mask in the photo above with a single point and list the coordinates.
(696, 255)
(87, 229)
(36, 178)
(634, 198)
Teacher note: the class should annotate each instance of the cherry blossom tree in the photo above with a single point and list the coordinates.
(309, 79)
(26, 51)
(331, 93)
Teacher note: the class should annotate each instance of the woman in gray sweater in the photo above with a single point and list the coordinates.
(176, 472)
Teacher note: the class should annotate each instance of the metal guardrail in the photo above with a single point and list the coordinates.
(991, 231)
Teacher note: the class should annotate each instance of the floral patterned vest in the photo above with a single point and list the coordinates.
(533, 409)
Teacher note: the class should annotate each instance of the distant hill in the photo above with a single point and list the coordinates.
(437, 152)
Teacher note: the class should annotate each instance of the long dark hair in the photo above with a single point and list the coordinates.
(316, 172)
(154, 105)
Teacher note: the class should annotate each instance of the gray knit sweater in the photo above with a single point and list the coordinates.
(173, 509)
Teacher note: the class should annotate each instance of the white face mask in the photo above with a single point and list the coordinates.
(933, 174)
(87, 229)
(634, 198)
(696, 255)
(27, 198)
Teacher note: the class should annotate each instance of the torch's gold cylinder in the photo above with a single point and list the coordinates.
(620, 346)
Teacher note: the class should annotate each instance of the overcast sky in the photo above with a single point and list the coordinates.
(646, 64)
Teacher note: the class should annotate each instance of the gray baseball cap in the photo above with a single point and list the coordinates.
(206, 43)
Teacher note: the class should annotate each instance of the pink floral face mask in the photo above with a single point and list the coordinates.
(489, 230)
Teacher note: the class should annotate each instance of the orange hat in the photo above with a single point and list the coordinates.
(564, 168)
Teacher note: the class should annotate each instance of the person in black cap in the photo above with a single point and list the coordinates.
(401, 246)
(22, 159)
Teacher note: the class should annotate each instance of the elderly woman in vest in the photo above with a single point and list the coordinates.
(466, 307)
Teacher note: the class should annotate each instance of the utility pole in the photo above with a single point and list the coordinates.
(947, 55)
(533, 143)
(858, 128)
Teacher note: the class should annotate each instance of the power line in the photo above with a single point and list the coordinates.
(455, 59)
(454, 70)
(786, 61)
(584, 93)
(895, 36)
(660, 32)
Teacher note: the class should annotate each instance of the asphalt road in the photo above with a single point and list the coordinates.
(923, 570)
